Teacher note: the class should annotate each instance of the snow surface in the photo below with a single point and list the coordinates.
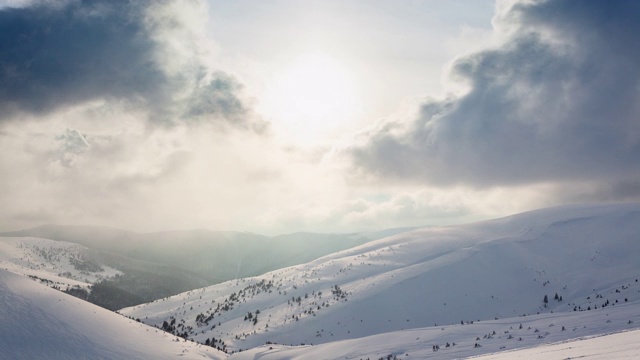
(423, 284)
(623, 345)
(39, 322)
(418, 343)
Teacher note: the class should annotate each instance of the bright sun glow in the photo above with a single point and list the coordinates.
(312, 98)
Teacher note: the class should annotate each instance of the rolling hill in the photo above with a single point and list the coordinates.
(451, 276)
(155, 265)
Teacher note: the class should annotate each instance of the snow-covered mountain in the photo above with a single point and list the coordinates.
(212, 255)
(56, 263)
(155, 265)
(445, 292)
(441, 278)
(39, 322)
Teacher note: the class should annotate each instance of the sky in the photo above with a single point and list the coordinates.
(328, 116)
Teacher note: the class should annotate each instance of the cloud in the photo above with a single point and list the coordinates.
(557, 101)
(73, 143)
(126, 174)
(144, 54)
(116, 113)
(404, 208)
(112, 111)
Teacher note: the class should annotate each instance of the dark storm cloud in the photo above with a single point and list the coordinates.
(53, 55)
(217, 98)
(558, 101)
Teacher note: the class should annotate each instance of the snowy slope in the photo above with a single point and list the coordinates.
(502, 335)
(623, 345)
(42, 323)
(56, 263)
(446, 275)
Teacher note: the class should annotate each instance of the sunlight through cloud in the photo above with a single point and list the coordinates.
(312, 98)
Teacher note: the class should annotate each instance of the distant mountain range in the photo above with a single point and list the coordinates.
(155, 265)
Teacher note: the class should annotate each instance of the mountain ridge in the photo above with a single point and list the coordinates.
(155, 265)
(438, 275)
